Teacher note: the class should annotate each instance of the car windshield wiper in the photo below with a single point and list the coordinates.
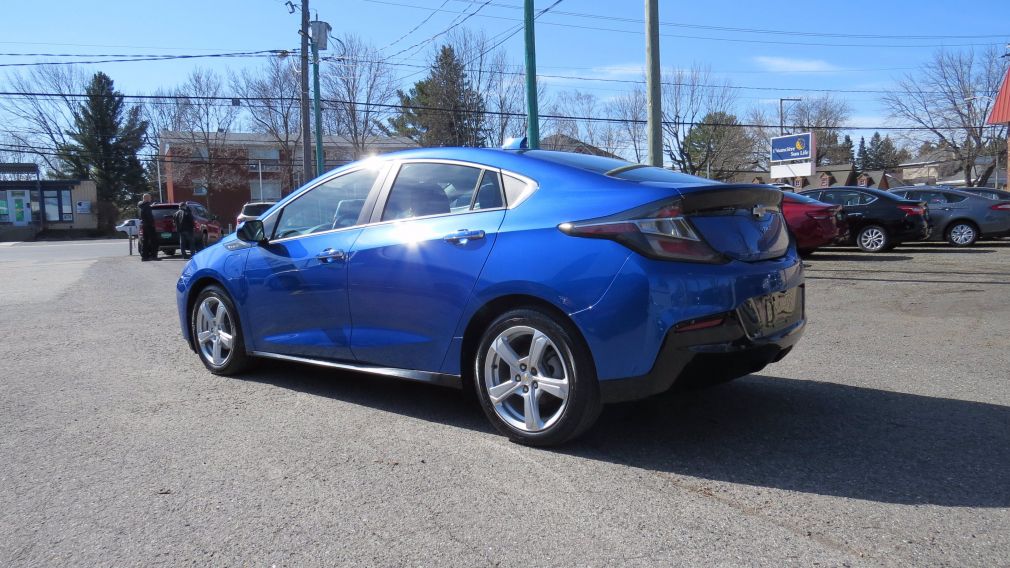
(614, 172)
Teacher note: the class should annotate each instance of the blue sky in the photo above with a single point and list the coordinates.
(853, 45)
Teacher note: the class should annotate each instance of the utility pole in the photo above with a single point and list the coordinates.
(532, 112)
(653, 79)
(320, 31)
(304, 67)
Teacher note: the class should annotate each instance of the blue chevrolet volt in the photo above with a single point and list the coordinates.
(548, 282)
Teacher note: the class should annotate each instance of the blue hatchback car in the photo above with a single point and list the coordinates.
(549, 282)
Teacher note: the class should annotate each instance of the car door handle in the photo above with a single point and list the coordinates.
(463, 236)
(330, 256)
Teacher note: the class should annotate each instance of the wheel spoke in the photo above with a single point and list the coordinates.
(501, 392)
(506, 353)
(203, 336)
(216, 352)
(531, 411)
(221, 315)
(553, 387)
(226, 339)
(538, 345)
(205, 313)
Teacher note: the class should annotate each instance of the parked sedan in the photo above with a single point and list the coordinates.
(960, 217)
(563, 281)
(812, 223)
(997, 194)
(878, 220)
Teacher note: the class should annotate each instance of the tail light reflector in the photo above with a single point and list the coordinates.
(704, 323)
(913, 209)
(819, 215)
(662, 233)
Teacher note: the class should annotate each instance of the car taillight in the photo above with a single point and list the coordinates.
(662, 233)
(819, 215)
(1001, 207)
(912, 209)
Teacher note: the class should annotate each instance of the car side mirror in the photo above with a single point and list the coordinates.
(251, 231)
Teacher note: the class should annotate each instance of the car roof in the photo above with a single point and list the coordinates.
(870, 190)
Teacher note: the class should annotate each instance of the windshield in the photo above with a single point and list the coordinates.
(256, 209)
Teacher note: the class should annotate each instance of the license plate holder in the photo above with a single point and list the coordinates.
(765, 315)
(166, 235)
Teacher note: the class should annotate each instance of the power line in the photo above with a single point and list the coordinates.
(415, 28)
(452, 26)
(149, 58)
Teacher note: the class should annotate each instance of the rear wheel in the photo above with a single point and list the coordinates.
(217, 334)
(873, 238)
(962, 234)
(535, 379)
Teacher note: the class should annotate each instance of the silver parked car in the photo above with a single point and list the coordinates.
(960, 217)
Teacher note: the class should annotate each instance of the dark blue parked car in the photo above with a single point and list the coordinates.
(550, 282)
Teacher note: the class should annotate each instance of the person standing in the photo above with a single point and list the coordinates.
(185, 225)
(149, 239)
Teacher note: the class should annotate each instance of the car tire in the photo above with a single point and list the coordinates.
(535, 379)
(217, 332)
(962, 234)
(873, 238)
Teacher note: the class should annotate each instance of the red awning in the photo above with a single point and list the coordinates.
(1001, 106)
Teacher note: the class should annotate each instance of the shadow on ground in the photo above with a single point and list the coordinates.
(808, 436)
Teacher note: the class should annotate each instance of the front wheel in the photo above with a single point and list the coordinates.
(216, 332)
(873, 238)
(962, 234)
(535, 379)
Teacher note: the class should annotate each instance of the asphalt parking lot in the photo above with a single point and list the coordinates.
(883, 439)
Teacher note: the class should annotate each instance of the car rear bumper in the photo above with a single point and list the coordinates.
(709, 356)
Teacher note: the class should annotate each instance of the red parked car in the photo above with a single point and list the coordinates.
(206, 230)
(813, 223)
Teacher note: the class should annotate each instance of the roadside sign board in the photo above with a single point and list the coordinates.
(793, 147)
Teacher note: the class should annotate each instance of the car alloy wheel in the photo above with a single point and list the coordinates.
(215, 331)
(526, 378)
(962, 235)
(872, 239)
(535, 378)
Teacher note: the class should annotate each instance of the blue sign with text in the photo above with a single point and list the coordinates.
(793, 147)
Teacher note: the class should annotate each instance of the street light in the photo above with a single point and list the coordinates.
(318, 32)
(782, 120)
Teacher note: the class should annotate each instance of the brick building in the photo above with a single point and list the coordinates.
(224, 171)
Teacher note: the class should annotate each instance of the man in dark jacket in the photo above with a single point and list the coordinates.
(184, 224)
(149, 242)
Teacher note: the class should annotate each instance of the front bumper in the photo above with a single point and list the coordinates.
(709, 356)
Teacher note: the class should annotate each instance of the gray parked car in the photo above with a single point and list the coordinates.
(960, 217)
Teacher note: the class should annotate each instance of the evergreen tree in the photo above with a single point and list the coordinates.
(103, 147)
(443, 109)
(889, 155)
(861, 156)
(846, 150)
(873, 153)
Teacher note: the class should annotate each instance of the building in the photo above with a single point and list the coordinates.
(835, 175)
(224, 171)
(30, 205)
(1001, 115)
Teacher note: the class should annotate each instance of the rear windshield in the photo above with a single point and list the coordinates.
(256, 208)
(163, 213)
(602, 165)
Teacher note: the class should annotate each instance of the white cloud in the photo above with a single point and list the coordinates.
(790, 65)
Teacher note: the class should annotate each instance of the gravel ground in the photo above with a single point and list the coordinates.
(883, 439)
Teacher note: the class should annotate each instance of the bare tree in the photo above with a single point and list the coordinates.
(823, 116)
(580, 116)
(950, 98)
(689, 95)
(40, 122)
(498, 82)
(271, 102)
(204, 117)
(357, 84)
(631, 108)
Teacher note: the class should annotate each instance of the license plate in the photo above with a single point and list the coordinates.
(767, 314)
(166, 235)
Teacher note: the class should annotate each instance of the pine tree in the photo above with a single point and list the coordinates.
(888, 155)
(873, 153)
(846, 150)
(861, 156)
(443, 109)
(104, 143)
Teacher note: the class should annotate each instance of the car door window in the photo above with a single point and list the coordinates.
(423, 189)
(333, 204)
(931, 197)
(849, 198)
(954, 198)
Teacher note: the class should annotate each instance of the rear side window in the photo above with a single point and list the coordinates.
(489, 193)
(797, 198)
(842, 197)
(423, 189)
(954, 198)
